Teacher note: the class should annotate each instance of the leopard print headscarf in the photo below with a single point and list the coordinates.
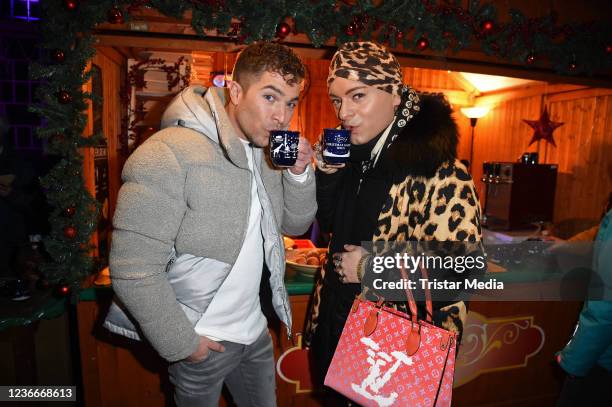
(369, 63)
(372, 65)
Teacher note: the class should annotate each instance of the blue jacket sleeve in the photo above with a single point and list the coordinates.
(592, 342)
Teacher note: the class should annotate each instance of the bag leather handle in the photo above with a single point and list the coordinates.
(413, 342)
(428, 302)
(412, 303)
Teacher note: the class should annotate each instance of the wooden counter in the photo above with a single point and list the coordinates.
(506, 357)
(121, 372)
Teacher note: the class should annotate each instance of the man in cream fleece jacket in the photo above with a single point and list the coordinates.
(201, 210)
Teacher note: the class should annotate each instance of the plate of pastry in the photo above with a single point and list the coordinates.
(306, 261)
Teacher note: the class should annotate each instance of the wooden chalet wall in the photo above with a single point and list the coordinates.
(112, 67)
(584, 143)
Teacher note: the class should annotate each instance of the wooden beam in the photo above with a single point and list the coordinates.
(125, 51)
(488, 68)
(113, 54)
(579, 94)
(455, 97)
(168, 43)
(471, 60)
(464, 83)
(520, 92)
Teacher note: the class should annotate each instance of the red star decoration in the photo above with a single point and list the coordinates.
(543, 128)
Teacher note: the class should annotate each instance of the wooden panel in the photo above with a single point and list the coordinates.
(464, 129)
(117, 371)
(500, 136)
(286, 392)
(88, 159)
(430, 78)
(315, 111)
(583, 145)
(111, 123)
(535, 89)
(437, 81)
(538, 382)
(583, 152)
(122, 372)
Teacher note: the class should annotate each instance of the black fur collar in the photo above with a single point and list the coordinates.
(427, 141)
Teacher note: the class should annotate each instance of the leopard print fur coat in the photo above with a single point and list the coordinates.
(432, 197)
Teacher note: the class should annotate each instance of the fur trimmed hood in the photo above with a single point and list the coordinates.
(427, 141)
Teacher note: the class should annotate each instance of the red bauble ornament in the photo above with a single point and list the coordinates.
(350, 30)
(64, 97)
(422, 44)
(70, 211)
(609, 49)
(399, 35)
(115, 16)
(70, 232)
(70, 5)
(487, 26)
(572, 67)
(62, 290)
(58, 55)
(543, 128)
(530, 59)
(283, 30)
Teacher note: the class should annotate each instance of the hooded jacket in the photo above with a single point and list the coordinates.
(182, 216)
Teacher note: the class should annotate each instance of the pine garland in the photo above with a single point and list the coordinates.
(440, 27)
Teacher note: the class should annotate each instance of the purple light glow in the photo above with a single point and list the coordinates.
(27, 17)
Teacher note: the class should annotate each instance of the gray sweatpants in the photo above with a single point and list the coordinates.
(247, 370)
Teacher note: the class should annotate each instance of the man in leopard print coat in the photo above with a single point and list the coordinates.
(403, 183)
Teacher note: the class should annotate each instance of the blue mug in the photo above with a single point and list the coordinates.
(284, 147)
(336, 146)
